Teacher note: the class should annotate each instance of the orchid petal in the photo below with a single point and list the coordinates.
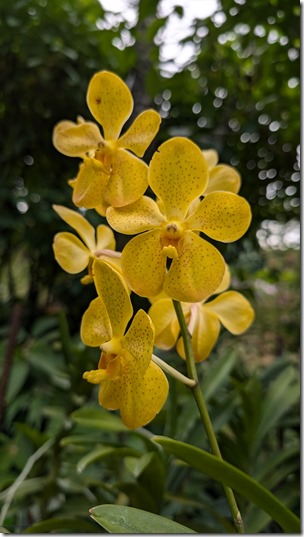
(139, 216)
(143, 264)
(211, 157)
(205, 335)
(138, 397)
(90, 184)
(223, 216)
(95, 326)
(197, 272)
(223, 177)
(110, 102)
(225, 283)
(105, 238)
(178, 174)
(163, 317)
(79, 223)
(75, 140)
(128, 180)
(141, 133)
(114, 294)
(71, 254)
(233, 310)
(139, 340)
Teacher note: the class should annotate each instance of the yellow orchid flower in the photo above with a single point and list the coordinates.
(229, 308)
(74, 255)
(110, 175)
(221, 176)
(178, 175)
(129, 380)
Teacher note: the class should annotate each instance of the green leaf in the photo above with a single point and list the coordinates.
(96, 418)
(102, 453)
(78, 525)
(218, 375)
(282, 394)
(121, 519)
(229, 475)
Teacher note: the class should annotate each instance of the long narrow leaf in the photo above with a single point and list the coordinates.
(239, 481)
(122, 519)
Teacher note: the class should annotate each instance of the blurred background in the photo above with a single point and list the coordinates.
(226, 74)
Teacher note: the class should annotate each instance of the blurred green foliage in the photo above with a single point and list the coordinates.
(239, 94)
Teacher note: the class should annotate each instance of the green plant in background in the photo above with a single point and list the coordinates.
(59, 451)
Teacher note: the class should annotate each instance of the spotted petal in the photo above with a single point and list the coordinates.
(90, 184)
(223, 177)
(115, 296)
(128, 180)
(143, 264)
(138, 397)
(223, 216)
(76, 140)
(79, 223)
(139, 340)
(178, 174)
(141, 133)
(233, 310)
(139, 216)
(95, 326)
(71, 254)
(197, 272)
(110, 102)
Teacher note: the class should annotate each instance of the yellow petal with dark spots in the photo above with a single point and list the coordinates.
(233, 310)
(114, 294)
(139, 216)
(197, 272)
(223, 177)
(71, 254)
(139, 340)
(75, 140)
(178, 174)
(95, 326)
(110, 102)
(141, 133)
(128, 178)
(90, 184)
(138, 397)
(223, 216)
(79, 223)
(143, 264)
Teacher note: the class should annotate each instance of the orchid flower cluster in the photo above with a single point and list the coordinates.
(167, 260)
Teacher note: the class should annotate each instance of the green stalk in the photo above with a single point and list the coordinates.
(201, 405)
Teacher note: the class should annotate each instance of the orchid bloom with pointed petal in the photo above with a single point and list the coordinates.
(229, 308)
(129, 380)
(73, 254)
(110, 175)
(178, 175)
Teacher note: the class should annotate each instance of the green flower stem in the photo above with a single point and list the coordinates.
(200, 401)
(173, 372)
